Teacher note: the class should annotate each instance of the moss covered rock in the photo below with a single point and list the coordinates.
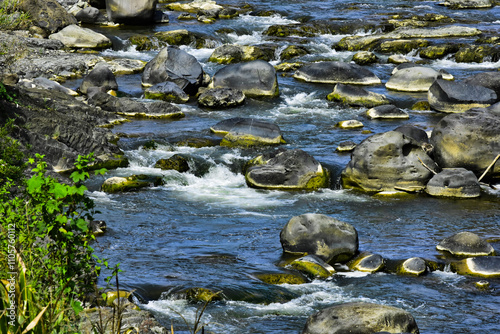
(403, 46)
(336, 72)
(248, 132)
(367, 262)
(477, 54)
(438, 51)
(455, 183)
(231, 53)
(145, 43)
(365, 58)
(176, 37)
(313, 267)
(356, 96)
(176, 162)
(166, 91)
(130, 183)
(387, 111)
(465, 244)
(293, 51)
(414, 266)
(483, 266)
(282, 278)
(349, 124)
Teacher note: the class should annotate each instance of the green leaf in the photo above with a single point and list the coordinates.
(35, 184)
(82, 225)
(59, 190)
(76, 306)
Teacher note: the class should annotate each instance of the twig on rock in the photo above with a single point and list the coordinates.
(423, 164)
(489, 167)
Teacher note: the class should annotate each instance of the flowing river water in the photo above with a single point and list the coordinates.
(206, 228)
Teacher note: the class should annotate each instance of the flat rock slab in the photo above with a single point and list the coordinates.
(465, 244)
(247, 132)
(457, 97)
(336, 72)
(413, 79)
(74, 36)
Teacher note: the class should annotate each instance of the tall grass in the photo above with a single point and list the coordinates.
(12, 17)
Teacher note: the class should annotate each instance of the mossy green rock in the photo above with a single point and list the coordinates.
(414, 266)
(293, 51)
(130, 183)
(403, 46)
(477, 54)
(364, 58)
(176, 162)
(229, 54)
(465, 244)
(176, 37)
(483, 266)
(312, 266)
(196, 295)
(356, 96)
(367, 262)
(438, 51)
(282, 278)
(145, 43)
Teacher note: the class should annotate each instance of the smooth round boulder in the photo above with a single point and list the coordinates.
(470, 140)
(255, 78)
(465, 244)
(174, 65)
(457, 97)
(248, 132)
(387, 111)
(312, 266)
(349, 124)
(333, 72)
(413, 79)
(90, 15)
(415, 133)
(346, 146)
(387, 162)
(176, 162)
(232, 53)
(367, 262)
(74, 36)
(221, 98)
(489, 80)
(130, 183)
(483, 266)
(414, 266)
(287, 170)
(101, 76)
(455, 183)
(356, 96)
(166, 91)
(364, 58)
(131, 12)
(325, 237)
(360, 318)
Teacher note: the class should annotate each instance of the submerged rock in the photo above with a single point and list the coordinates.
(130, 183)
(454, 182)
(166, 91)
(312, 266)
(293, 51)
(457, 97)
(336, 72)
(386, 162)
(255, 79)
(470, 140)
(325, 237)
(248, 132)
(365, 318)
(465, 244)
(287, 170)
(367, 262)
(483, 266)
(356, 96)
(282, 278)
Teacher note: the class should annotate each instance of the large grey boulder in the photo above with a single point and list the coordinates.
(489, 80)
(287, 170)
(248, 132)
(336, 72)
(74, 36)
(131, 11)
(101, 76)
(482, 266)
(413, 79)
(328, 238)
(47, 14)
(457, 97)
(221, 98)
(360, 318)
(255, 78)
(388, 161)
(174, 65)
(465, 244)
(454, 182)
(90, 15)
(470, 140)
(356, 96)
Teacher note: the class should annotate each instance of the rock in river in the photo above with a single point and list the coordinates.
(360, 318)
(248, 132)
(328, 238)
(367, 262)
(74, 36)
(356, 96)
(101, 76)
(130, 183)
(132, 12)
(454, 182)
(387, 111)
(336, 72)
(287, 170)
(465, 244)
(483, 266)
(413, 79)
(221, 98)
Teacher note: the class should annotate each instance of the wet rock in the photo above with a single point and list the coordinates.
(356, 96)
(438, 51)
(44, 83)
(365, 318)
(47, 14)
(367, 262)
(287, 170)
(74, 36)
(387, 111)
(248, 132)
(198, 295)
(454, 182)
(325, 237)
(465, 244)
(413, 79)
(346, 146)
(312, 266)
(176, 37)
(98, 227)
(231, 53)
(457, 97)
(288, 67)
(421, 105)
(228, 13)
(397, 59)
(255, 79)
(467, 4)
(349, 124)
(282, 278)
(118, 184)
(414, 266)
(336, 72)
(489, 80)
(477, 54)
(221, 98)
(198, 142)
(387, 162)
(483, 266)
(101, 76)
(138, 12)
(145, 43)
(403, 46)
(194, 6)
(415, 133)
(124, 66)
(172, 64)
(176, 162)
(365, 58)
(90, 15)
(293, 51)
(166, 91)
(470, 140)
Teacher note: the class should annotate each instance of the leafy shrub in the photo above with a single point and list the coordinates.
(11, 17)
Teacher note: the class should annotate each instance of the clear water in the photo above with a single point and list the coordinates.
(206, 228)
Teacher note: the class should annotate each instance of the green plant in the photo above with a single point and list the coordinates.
(4, 94)
(12, 17)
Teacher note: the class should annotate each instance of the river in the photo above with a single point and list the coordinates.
(206, 228)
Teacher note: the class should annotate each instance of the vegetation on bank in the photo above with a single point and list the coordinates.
(12, 17)
(47, 266)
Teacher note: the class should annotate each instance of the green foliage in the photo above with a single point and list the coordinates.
(4, 95)
(11, 16)
(54, 267)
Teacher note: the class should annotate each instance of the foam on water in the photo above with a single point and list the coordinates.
(130, 52)
(452, 64)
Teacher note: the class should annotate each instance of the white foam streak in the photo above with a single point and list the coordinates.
(451, 64)
(130, 52)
